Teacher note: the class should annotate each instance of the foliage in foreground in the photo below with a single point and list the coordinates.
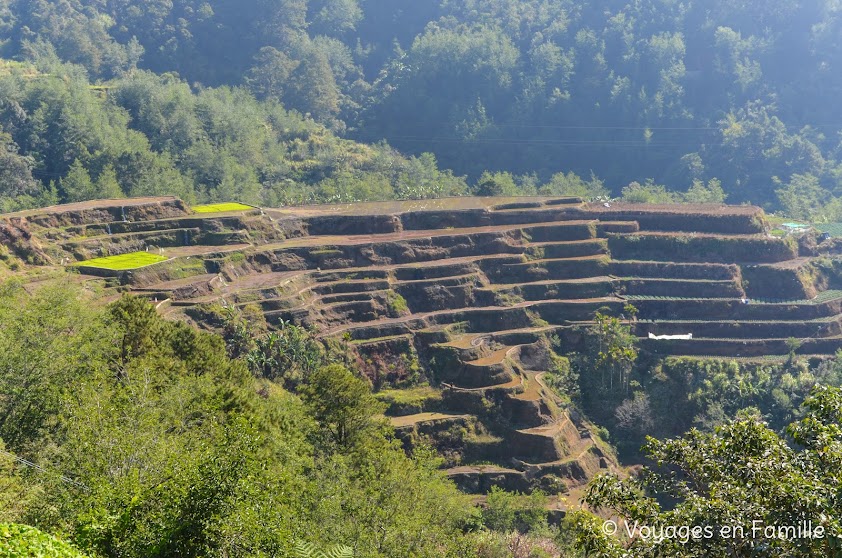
(151, 441)
(744, 478)
(21, 540)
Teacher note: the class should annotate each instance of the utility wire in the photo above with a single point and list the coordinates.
(32, 465)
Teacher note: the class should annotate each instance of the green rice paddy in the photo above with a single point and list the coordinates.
(124, 262)
(220, 207)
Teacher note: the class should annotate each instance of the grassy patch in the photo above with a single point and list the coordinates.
(396, 303)
(508, 299)
(415, 400)
(220, 207)
(123, 262)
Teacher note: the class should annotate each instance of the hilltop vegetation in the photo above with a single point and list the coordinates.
(152, 135)
(674, 91)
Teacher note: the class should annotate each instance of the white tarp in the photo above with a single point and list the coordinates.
(686, 336)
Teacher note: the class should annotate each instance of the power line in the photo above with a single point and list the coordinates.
(32, 465)
(559, 142)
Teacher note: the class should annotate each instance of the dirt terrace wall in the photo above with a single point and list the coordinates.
(544, 270)
(569, 249)
(560, 312)
(689, 221)
(213, 224)
(517, 205)
(702, 248)
(353, 224)
(738, 348)
(15, 235)
(577, 470)
(474, 481)
(669, 270)
(434, 271)
(564, 291)
(742, 330)
(522, 413)
(479, 376)
(763, 281)
(113, 245)
(561, 232)
(387, 361)
(388, 253)
(352, 275)
(342, 287)
(442, 219)
(385, 330)
(701, 220)
(428, 297)
(533, 448)
(733, 310)
(164, 209)
(679, 287)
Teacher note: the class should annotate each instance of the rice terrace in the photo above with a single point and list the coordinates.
(456, 306)
(123, 262)
(221, 207)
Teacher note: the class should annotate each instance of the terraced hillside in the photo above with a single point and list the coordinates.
(469, 290)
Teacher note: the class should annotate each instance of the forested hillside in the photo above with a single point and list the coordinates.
(672, 91)
(145, 134)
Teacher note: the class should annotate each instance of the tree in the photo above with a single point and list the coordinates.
(49, 341)
(137, 325)
(77, 185)
(151, 442)
(270, 75)
(335, 17)
(510, 511)
(803, 197)
(420, 179)
(309, 550)
(383, 503)
(743, 477)
(634, 417)
(107, 186)
(343, 406)
(648, 192)
(289, 355)
(701, 193)
(496, 184)
(572, 185)
(15, 170)
(611, 351)
(312, 88)
(15, 494)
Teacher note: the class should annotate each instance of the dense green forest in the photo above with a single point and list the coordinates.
(677, 93)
